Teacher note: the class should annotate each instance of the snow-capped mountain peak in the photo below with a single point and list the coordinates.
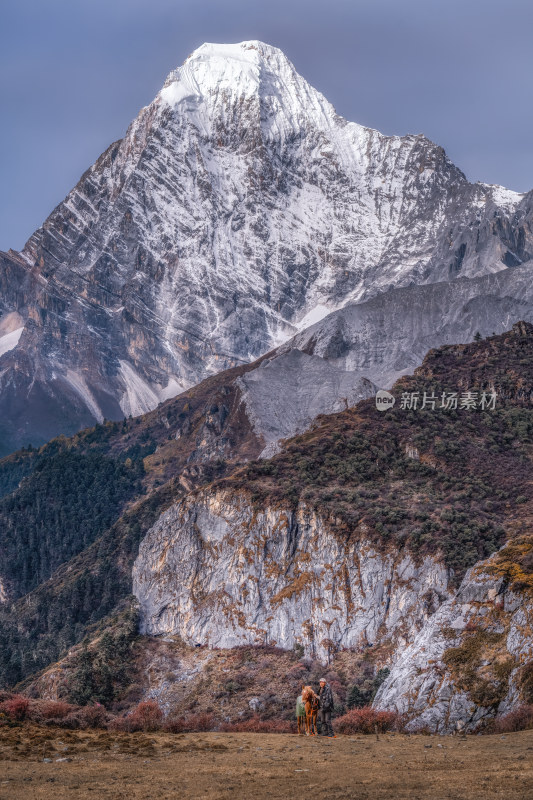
(237, 208)
(232, 67)
(216, 75)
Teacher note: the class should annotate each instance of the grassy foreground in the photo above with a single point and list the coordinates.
(162, 766)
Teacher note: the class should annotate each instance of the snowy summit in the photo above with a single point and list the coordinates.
(247, 69)
(238, 209)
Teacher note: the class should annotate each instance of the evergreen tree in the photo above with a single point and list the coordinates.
(82, 687)
(356, 698)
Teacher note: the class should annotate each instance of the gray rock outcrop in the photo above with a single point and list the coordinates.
(218, 571)
(462, 667)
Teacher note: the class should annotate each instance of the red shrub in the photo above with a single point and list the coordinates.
(366, 720)
(257, 725)
(520, 719)
(16, 707)
(146, 717)
(192, 723)
(86, 717)
(43, 710)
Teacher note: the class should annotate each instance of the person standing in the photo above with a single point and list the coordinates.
(300, 713)
(326, 708)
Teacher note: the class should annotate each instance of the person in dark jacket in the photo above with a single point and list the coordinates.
(326, 707)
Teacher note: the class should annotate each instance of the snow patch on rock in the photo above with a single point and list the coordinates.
(10, 340)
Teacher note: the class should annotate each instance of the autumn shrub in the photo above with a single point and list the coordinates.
(49, 710)
(147, 716)
(52, 712)
(520, 719)
(257, 725)
(15, 707)
(366, 720)
(87, 717)
(192, 723)
(525, 681)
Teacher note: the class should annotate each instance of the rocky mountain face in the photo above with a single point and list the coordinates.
(238, 209)
(474, 657)
(389, 335)
(349, 353)
(216, 570)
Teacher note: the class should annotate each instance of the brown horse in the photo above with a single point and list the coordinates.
(312, 704)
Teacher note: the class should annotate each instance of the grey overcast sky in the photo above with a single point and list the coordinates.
(74, 73)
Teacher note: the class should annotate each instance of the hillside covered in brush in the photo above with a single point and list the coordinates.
(377, 515)
(73, 512)
(431, 479)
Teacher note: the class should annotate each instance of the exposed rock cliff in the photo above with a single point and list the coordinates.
(345, 541)
(215, 570)
(343, 357)
(472, 660)
(389, 335)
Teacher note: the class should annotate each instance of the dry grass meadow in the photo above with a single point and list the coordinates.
(163, 766)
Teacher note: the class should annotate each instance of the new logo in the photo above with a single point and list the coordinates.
(384, 400)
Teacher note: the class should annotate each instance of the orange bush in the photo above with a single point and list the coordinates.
(366, 720)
